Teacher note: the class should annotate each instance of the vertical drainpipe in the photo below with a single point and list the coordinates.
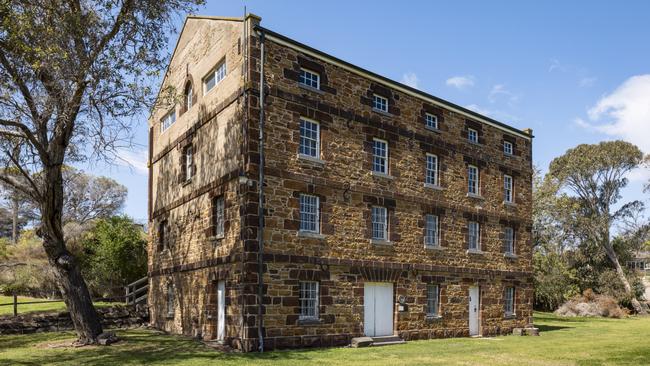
(260, 231)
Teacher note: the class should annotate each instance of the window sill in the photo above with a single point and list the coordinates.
(436, 130)
(434, 186)
(309, 234)
(310, 321)
(169, 316)
(472, 143)
(510, 255)
(508, 155)
(476, 196)
(509, 204)
(475, 251)
(510, 316)
(380, 242)
(310, 88)
(434, 247)
(310, 159)
(216, 239)
(382, 175)
(384, 113)
(431, 318)
(186, 181)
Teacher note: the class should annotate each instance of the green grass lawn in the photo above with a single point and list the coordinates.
(563, 341)
(28, 308)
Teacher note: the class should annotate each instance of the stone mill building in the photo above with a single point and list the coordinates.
(384, 210)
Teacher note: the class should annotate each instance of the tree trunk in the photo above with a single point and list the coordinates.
(613, 257)
(14, 219)
(77, 299)
(68, 275)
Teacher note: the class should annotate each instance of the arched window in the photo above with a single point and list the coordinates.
(188, 98)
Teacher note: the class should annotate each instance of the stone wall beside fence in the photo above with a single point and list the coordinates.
(117, 316)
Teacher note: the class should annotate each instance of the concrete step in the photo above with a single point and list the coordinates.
(387, 341)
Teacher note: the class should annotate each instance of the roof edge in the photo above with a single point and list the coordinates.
(397, 85)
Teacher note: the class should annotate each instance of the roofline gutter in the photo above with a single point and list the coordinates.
(286, 41)
(260, 204)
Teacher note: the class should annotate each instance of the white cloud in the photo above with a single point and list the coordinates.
(410, 79)
(133, 158)
(556, 65)
(499, 91)
(461, 82)
(625, 113)
(587, 81)
(493, 113)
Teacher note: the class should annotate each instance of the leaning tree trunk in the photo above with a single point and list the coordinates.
(613, 257)
(66, 269)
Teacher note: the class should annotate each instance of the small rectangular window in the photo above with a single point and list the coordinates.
(380, 156)
(308, 300)
(431, 231)
(431, 121)
(472, 180)
(214, 77)
(474, 235)
(433, 300)
(218, 217)
(432, 170)
(170, 299)
(379, 223)
(310, 78)
(509, 301)
(188, 162)
(309, 138)
(162, 235)
(472, 135)
(509, 240)
(168, 120)
(379, 103)
(309, 212)
(507, 188)
(507, 147)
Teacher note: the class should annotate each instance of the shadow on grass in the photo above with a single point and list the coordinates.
(138, 348)
(550, 328)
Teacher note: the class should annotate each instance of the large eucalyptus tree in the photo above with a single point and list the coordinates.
(74, 76)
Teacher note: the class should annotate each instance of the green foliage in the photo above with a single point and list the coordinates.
(114, 254)
(4, 242)
(555, 281)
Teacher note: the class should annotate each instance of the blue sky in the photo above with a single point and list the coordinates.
(575, 72)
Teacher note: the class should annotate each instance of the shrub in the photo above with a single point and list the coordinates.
(555, 281)
(591, 304)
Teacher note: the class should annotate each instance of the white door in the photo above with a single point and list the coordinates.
(221, 310)
(378, 309)
(474, 307)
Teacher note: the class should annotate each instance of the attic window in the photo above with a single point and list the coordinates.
(215, 76)
(168, 120)
(379, 103)
(310, 78)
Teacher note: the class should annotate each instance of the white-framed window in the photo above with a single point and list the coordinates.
(309, 213)
(308, 300)
(379, 103)
(474, 235)
(188, 162)
(433, 300)
(509, 301)
(168, 120)
(431, 231)
(188, 96)
(507, 188)
(380, 156)
(431, 121)
(309, 138)
(432, 170)
(214, 77)
(170, 299)
(509, 239)
(310, 78)
(507, 148)
(379, 220)
(218, 216)
(472, 135)
(472, 180)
